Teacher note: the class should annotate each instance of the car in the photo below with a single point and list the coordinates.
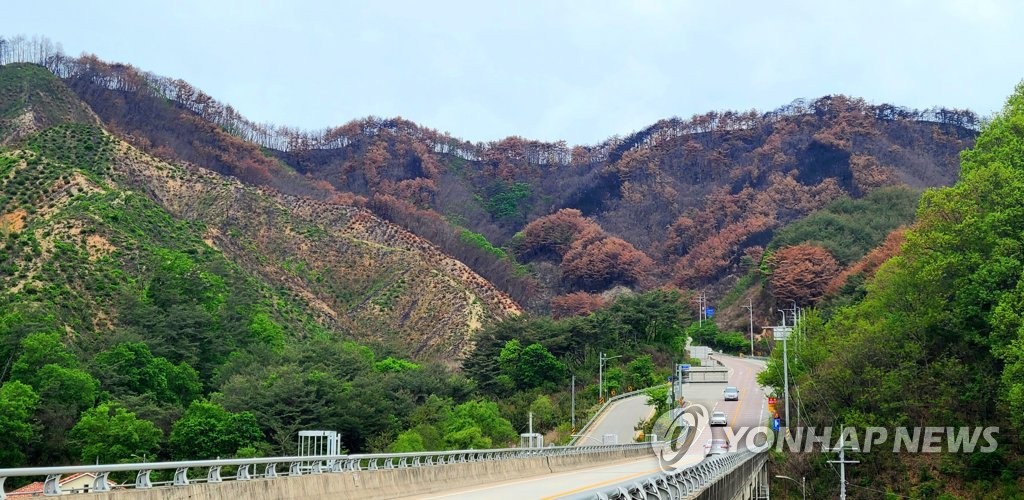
(719, 418)
(716, 447)
(731, 393)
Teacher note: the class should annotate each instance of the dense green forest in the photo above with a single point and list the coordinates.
(937, 340)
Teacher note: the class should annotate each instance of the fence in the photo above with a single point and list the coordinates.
(729, 472)
(252, 468)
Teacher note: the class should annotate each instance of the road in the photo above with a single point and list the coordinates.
(749, 411)
(620, 419)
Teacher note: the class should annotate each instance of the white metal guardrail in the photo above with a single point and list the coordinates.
(586, 427)
(252, 468)
(683, 483)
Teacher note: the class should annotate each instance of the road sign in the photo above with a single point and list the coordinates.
(709, 312)
(772, 401)
(776, 424)
(781, 332)
(684, 367)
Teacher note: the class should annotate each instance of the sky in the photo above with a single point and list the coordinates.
(579, 71)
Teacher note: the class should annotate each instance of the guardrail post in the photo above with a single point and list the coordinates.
(2, 495)
(100, 483)
(295, 469)
(52, 485)
(181, 476)
(213, 475)
(243, 473)
(270, 470)
(142, 481)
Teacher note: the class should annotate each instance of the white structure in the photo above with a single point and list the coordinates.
(318, 443)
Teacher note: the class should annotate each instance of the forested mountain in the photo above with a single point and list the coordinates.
(134, 289)
(162, 256)
(935, 338)
(679, 203)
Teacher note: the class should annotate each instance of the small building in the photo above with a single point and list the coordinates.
(74, 483)
(531, 440)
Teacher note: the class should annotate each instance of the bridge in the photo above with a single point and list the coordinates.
(587, 468)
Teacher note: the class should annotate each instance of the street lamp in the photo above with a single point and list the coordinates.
(802, 483)
(600, 374)
(750, 308)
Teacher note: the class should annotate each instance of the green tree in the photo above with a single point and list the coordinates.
(477, 424)
(64, 393)
(641, 372)
(408, 441)
(130, 368)
(394, 365)
(38, 350)
(658, 398)
(531, 367)
(267, 332)
(17, 404)
(207, 430)
(544, 414)
(111, 434)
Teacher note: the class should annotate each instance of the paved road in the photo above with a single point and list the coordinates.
(621, 418)
(750, 410)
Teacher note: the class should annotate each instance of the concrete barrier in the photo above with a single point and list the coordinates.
(389, 483)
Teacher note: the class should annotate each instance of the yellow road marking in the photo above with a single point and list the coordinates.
(602, 483)
(736, 414)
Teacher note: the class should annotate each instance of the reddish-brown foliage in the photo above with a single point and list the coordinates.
(576, 304)
(716, 253)
(596, 261)
(870, 263)
(801, 273)
(551, 235)
(869, 174)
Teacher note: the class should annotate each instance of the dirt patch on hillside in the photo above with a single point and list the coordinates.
(13, 222)
(98, 246)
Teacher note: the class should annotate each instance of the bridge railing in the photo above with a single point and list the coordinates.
(267, 467)
(586, 427)
(680, 484)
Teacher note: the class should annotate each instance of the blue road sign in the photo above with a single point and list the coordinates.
(776, 424)
(709, 311)
(684, 367)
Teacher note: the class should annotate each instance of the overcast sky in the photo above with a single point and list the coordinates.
(549, 70)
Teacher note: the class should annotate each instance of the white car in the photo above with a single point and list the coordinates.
(731, 393)
(716, 447)
(719, 418)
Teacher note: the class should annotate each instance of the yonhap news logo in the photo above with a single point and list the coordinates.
(678, 428)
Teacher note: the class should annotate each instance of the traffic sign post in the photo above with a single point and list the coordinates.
(781, 332)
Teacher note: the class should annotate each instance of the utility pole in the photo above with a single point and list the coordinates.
(842, 464)
(785, 366)
(574, 402)
(700, 306)
(600, 374)
(750, 308)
